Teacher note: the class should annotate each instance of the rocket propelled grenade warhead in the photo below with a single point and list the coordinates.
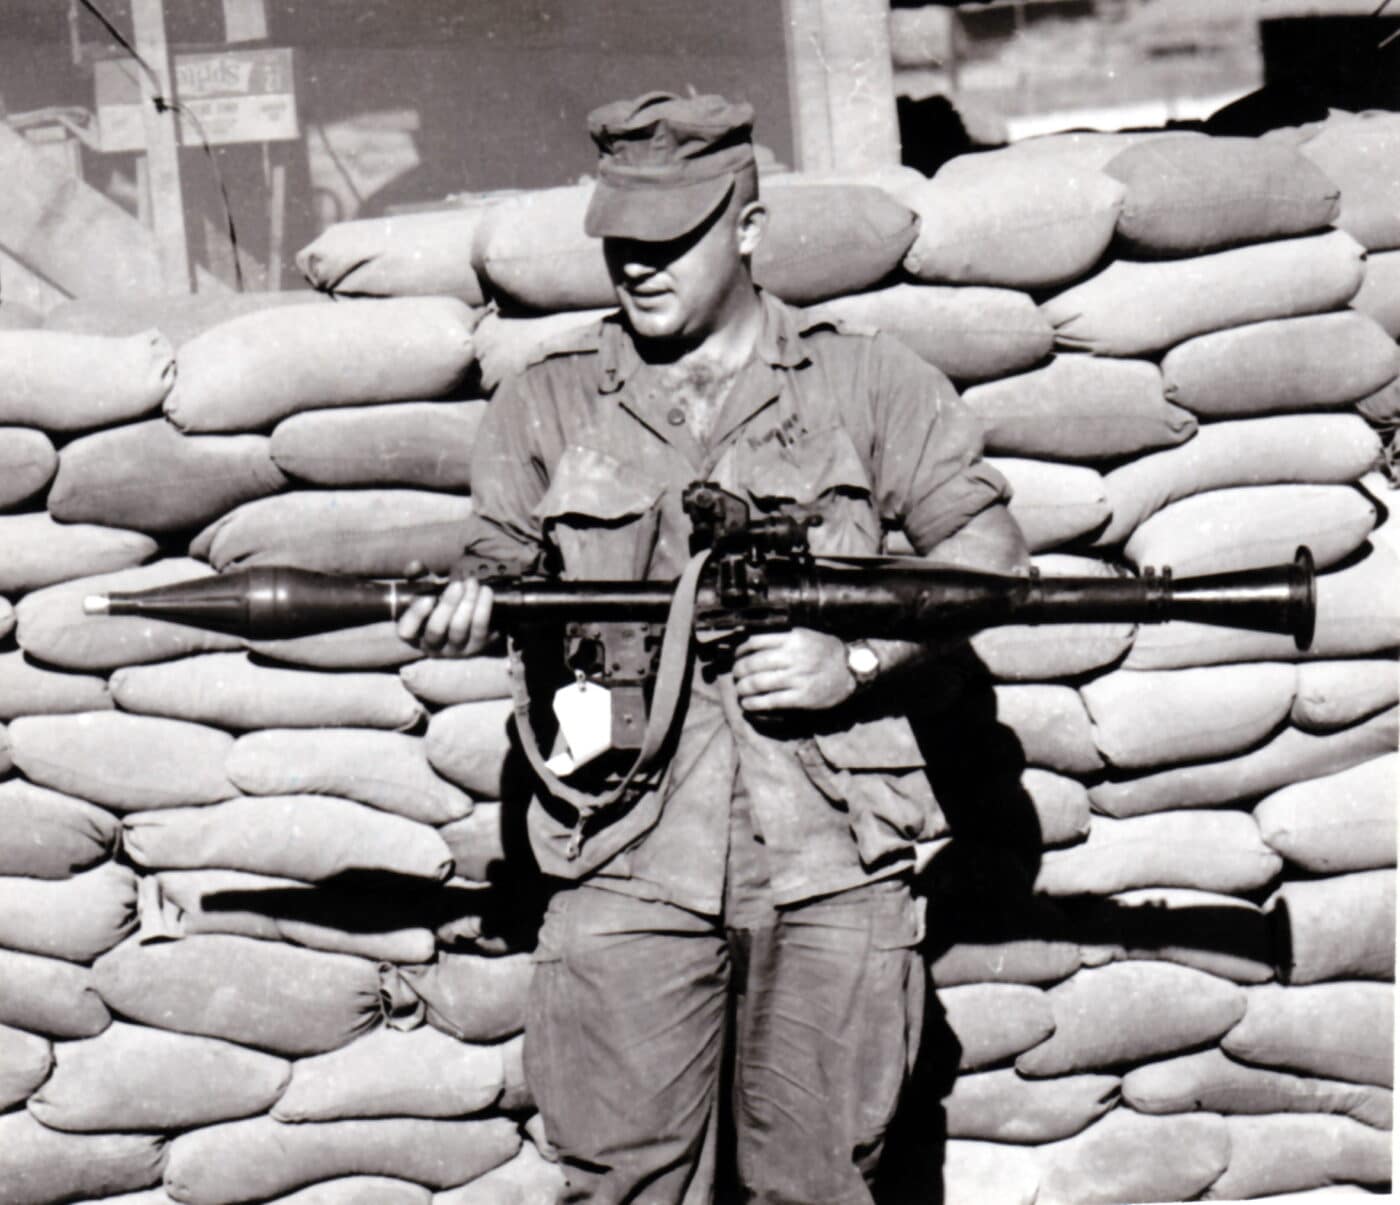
(889, 596)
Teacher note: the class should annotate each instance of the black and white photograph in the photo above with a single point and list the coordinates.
(661, 602)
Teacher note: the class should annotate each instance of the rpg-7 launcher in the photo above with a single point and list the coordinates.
(760, 575)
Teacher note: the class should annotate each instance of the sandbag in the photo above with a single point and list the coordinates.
(263, 994)
(25, 1062)
(1336, 1030)
(77, 918)
(305, 837)
(1212, 1081)
(504, 346)
(359, 1190)
(1219, 934)
(27, 463)
(249, 372)
(36, 551)
(6, 761)
(1343, 821)
(46, 835)
(62, 382)
(1275, 1154)
(1013, 220)
(1336, 928)
(469, 745)
(1004, 1106)
(1186, 195)
(1044, 652)
(473, 999)
(993, 1022)
(1128, 1157)
(1079, 408)
(1129, 1012)
(7, 618)
(1383, 406)
(1053, 503)
(341, 920)
(125, 762)
(1349, 624)
(16, 316)
(50, 996)
(1153, 718)
(133, 1077)
(531, 249)
(149, 477)
(1317, 449)
(1073, 150)
(39, 1165)
(230, 691)
(1051, 724)
(970, 333)
(1379, 295)
(515, 1095)
(477, 843)
(1290, 757)
(528, 1179)
(426, 444)
(1061, 806)
(422, 1073)
(1360, 156)
(371, 646)
(54, 628)
(1134, 307)
(828, 240)
(1028, 961)
(1253, 527)
(369, 533)
(402, 255)
(27, 688)
(447, 680)
(1286, 364)
(179, 318)
(259, 1158)
(386, 770)
(979, 1172)
(1334, 694)
(1211, 851)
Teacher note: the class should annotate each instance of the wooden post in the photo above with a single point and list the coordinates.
(162, 146)
(841, 84)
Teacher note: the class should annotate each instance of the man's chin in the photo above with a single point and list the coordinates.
(651, 324)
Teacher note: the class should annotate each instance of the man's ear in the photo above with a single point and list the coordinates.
(753, 221)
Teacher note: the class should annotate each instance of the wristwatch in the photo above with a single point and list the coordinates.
(863, 662)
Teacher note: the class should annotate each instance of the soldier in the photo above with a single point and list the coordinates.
(747, 896)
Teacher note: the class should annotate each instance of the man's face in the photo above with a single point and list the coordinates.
(681, 288)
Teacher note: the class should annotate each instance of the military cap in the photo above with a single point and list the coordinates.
(665, 163)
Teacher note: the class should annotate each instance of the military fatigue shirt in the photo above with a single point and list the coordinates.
(583, 454)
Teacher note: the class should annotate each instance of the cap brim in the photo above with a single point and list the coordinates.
(654, 214)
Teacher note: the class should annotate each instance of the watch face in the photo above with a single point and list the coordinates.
(862, 660)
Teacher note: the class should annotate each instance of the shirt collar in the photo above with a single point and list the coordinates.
(779, 343)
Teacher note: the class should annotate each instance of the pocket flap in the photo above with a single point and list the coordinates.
(804, 469)
(885, 743)
(591, 484)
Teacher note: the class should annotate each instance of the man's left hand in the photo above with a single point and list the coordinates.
(798, 670)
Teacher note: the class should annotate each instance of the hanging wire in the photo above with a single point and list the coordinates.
(165, 105)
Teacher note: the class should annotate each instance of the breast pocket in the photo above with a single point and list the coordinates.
(600, 516)
(875, 769)
(815, 475)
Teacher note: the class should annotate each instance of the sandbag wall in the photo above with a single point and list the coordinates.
(252, 945)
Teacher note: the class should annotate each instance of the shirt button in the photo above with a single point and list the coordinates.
(675, 416)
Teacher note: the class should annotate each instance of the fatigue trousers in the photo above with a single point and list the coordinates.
(637, 1007)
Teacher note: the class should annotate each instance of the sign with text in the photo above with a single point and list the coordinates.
(236, 95)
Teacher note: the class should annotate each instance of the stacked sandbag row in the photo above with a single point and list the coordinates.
(241, 956)
(1186, 976)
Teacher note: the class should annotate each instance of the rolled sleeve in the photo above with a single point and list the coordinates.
(931, 477)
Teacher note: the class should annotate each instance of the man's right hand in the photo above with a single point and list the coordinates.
(457, 623)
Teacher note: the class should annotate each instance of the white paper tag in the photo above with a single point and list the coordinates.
(584, 710)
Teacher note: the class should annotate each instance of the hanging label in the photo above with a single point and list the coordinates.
(584, 711)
